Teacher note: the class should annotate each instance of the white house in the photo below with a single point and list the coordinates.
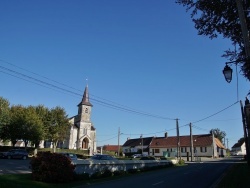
(137, 145)
(203, 146)
(239, 148)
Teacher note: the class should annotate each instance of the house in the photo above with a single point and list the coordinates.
(111, 148)
(137, 145)
(239, 148)
(203, 146)
(82, 133)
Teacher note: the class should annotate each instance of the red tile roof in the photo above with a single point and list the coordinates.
(198, 141)
(218, 143)
(110, 147)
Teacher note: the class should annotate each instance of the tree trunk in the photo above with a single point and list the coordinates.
(13, 143)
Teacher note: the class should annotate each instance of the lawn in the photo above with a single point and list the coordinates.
(238, 176)
(24, 181)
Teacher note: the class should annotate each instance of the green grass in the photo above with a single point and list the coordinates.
(25, 181)
(238, 176)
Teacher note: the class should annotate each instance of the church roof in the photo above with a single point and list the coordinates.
(85, 98)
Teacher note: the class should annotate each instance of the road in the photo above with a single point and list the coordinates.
(14, 166)
(200, 175)
(205, 174)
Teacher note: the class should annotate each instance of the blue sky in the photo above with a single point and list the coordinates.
(141, 55)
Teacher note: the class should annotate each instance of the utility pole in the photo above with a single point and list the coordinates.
(118, 152)
(246, 123)
(141, 145)
(178, 139)
(227, 143)
(191, 142)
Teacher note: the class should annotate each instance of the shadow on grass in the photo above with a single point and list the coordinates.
(237, 176)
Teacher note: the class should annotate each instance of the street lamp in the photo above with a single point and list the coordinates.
(227, 71)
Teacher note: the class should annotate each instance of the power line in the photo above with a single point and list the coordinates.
(108, 104)
(216, 113)
(40, 82)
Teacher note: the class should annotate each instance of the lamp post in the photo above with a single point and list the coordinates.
(227, 71)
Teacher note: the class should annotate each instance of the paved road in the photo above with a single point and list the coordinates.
(14, 166)
(200, 175)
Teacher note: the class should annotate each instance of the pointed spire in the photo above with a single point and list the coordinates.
(85, 98)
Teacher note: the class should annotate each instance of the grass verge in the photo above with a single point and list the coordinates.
(238, 176)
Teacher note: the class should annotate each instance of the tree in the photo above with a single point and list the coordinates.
(32, 127)
(220, 17)
(24, 124)
(12, 130)
(58, 127)
(44, 115)
(4, 112)
(218, 134)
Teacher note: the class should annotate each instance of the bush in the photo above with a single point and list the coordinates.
(181, 162)
(52, 168)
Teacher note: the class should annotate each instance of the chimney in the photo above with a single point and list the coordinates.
(128, 138)
(166, 134)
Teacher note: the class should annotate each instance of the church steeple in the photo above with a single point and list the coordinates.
(85, 98)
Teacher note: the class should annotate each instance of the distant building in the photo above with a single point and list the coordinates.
(204, 145)
(137, 145)
(239, 148)
(82, 133)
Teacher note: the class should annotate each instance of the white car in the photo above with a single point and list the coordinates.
(137, 155)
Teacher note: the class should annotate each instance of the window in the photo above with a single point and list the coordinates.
(203, 149)
(84, 131)
(183, 150)
(157, 151)
(86, 110)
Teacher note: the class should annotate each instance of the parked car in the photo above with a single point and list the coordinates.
(16, 154)
(236, 153)
(102, 157)
(137, 155)
(148, 158)
(71, 156)
(2, 155)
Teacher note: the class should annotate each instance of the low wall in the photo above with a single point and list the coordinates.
(92, 166)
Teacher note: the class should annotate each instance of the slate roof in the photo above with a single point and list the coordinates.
(198, 141)
(238, 144)
(137, 141)
(85, 98)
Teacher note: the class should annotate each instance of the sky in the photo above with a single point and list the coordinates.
(143, 61)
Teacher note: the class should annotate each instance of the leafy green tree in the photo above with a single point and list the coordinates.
(220, 17)
(218, 134)
(44, 115)
(4, 112)
(59, 126)
(12, 131)
(32, 127)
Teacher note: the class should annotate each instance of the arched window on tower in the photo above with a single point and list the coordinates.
(86, 110)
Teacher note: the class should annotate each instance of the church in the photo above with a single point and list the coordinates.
(82, 134)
